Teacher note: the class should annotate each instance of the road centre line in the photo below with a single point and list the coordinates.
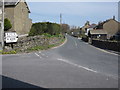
(75, 43)
(88, 69)
(66, 61)
(42, 54)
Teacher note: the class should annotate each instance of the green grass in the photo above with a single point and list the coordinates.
(37, 48)
(50, 36)
(10, 52)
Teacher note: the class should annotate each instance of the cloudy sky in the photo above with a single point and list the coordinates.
(73, 13)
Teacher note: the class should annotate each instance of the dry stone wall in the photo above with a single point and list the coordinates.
(32, 41)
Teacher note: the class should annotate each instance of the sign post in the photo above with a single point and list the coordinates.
(2, 23)
(11, 37)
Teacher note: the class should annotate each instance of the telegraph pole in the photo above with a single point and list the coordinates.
(60, 18)
(3, 7)
(61, 22)
(2, 23)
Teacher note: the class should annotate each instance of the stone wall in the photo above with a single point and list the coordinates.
(108, 45)
(29, 42)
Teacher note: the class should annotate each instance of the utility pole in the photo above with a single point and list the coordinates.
(61, 23)
(119, 11)
(3, 7)
(60, 18)
(2, 22)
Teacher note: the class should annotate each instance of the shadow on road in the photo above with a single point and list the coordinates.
(12, 83)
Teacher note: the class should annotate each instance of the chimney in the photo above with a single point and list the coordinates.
(113, 17)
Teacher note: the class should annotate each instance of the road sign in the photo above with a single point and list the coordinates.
(11, 37)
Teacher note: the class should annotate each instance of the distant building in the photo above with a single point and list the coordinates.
(111, 26)
(75, 32)
(17, 12)
(91, 27)
(85, 27)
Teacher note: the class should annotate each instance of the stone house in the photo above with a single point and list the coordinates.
(91, 27)
(98, 34)
(75, 32)
(111, 26)
(85, 27)
(17, 11)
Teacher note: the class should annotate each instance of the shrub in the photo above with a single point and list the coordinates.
(7, 24)
(45, 27)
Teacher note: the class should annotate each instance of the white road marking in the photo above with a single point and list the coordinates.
(66, 61)
(43, 54)
(38, 55)
(88, 69)
(75, 43)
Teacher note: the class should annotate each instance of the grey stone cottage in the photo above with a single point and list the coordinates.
(17, 11)
(111, 26)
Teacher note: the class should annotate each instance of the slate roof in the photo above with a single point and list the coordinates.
(13, 3)
(100, 31)
(100, 25)
(92, 26)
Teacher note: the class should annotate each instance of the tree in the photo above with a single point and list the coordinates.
(87, 23)
(7, 24)
(65, 28)
(45, 27)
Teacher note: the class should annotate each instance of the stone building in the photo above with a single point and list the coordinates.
(98, 34)
(111, 26)
(17, 11)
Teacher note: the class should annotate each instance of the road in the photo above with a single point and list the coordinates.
(75, 64)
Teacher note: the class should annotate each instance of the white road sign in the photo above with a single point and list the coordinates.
(11, 37)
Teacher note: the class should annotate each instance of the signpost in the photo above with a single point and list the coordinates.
(2, 23)
(11, 37)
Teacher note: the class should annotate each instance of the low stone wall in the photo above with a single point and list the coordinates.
(108, 45)
(29, 42)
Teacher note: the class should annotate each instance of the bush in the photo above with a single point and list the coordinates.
(45, 27)
(7, 24)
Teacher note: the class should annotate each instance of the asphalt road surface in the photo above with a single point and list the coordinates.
(75, 64)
